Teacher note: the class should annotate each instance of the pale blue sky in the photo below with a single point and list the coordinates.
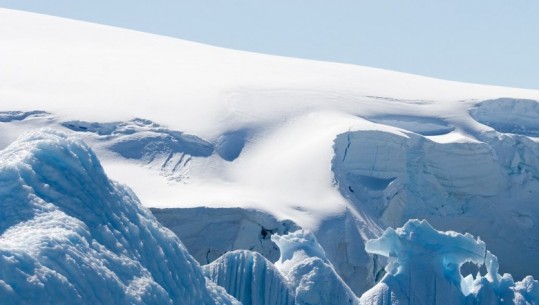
(491, 42)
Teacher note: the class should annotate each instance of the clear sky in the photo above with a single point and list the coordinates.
(490, 42)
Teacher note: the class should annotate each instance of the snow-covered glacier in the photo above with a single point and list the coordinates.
(230, 147)
(69, 235)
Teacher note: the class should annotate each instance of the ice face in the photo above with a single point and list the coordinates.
(424, 268)
(70, 235)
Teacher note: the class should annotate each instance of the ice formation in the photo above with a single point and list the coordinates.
(70, 235)
(250, 278)
(310, 274)
(425, 268)
(395, 175)
(209, 233)
(231, 129)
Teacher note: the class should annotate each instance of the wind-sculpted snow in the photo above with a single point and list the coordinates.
(250, 278)
(424, 268)
(310, 274)
(71, 236)
(508, 115)
(143, 140)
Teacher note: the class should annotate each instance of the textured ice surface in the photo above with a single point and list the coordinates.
(147, 142)
(71, 236)
(303, 275)
(251, 278)
(310, 274)
(508, 115)
(209, 233)
(291, 110)
(397, 176)
(425, 268)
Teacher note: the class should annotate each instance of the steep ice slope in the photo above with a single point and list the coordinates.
(425, 268)
(224, 128)
(69, 235)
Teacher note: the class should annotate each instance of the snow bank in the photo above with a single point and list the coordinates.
(424, 268)
(69, 235)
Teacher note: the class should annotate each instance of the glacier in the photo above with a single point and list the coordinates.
(70, 235)
(229, 147)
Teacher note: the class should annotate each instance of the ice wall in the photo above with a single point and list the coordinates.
(425, 268)
(382, 170)
(452, 180)
(71, 236)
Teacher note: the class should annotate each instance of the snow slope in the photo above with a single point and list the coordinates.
(69, 235)
(342, 150)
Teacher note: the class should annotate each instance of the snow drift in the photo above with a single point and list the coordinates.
(70, 235)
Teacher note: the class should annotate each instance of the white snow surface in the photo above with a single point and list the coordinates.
(342, 150)
(69, 235)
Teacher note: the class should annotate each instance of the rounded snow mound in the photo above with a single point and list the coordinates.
(70, 235)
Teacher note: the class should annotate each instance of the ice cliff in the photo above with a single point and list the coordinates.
(426, 168)
(425, 268)
(69, 235)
